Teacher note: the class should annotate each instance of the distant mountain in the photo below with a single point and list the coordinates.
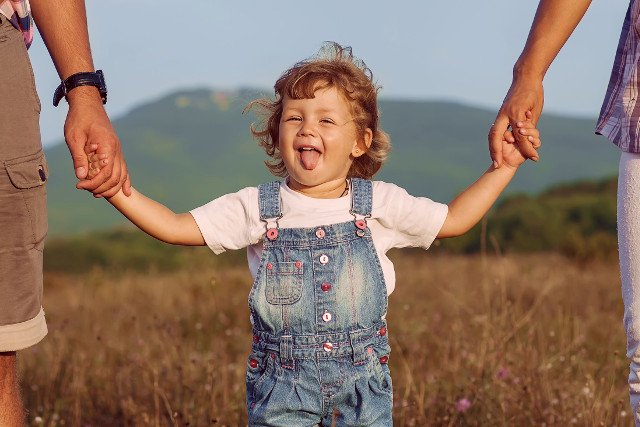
(189, 147)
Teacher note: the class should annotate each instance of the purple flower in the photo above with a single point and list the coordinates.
(463, 405)
(503, 373)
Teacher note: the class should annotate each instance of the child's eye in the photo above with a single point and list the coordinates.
(327, 121)
(293, 119)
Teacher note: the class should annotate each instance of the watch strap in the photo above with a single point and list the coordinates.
(81, 79)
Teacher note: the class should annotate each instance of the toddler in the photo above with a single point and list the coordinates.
(317, 243)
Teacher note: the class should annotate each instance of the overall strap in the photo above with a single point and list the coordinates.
(361, 197)
(269, 201)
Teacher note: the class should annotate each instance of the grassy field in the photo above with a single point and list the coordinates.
(490, 341)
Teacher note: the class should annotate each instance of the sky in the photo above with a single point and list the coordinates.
(460, 51)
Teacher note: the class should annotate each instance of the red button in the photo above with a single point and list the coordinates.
(269, 266)
(361, 224)
(382, 331)
(326, 287)
(384, 359)
(327, 347)
(253, 363)
(272, 233)
(256, 339)
(273, 356)
(298, 264)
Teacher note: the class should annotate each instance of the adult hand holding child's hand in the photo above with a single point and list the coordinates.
(525, 96)
(88, 130)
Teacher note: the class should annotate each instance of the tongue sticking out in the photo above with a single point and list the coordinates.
(309, 158)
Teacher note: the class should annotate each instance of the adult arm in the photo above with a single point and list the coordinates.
(63, 26)
(554, 22)
(157, 220)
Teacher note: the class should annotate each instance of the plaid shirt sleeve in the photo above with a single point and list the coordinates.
(18, 13)
(619, 119)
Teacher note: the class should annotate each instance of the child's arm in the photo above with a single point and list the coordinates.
(152, 217)
(469, 207)
(157, 220)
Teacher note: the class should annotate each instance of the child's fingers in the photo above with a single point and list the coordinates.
(508, 136)
(90, 148)
(529, 132)
(536, 142)
(95, 157)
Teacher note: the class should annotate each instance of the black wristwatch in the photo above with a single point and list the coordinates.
(81, 79)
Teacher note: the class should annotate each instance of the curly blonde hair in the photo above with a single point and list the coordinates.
(334, 66)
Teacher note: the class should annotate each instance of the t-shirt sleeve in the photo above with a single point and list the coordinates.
(230, 221)
(414, 221)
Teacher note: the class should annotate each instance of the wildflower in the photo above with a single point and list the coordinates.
(463, 405)
(503, 373)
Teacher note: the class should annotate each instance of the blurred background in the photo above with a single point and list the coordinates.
(457, 51)
(516, 323)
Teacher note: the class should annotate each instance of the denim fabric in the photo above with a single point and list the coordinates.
(320, 346)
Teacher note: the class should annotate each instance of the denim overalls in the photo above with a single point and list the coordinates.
(320, 346)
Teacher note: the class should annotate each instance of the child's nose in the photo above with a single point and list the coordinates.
(306, 129)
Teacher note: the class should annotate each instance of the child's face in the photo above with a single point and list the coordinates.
(318, 139)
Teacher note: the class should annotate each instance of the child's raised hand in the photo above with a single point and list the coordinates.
(511, 153)
(96, 162)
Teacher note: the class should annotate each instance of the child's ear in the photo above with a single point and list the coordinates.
(362, 145)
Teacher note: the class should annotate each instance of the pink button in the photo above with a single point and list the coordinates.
(326, 287)
(384, 359)
(269, 266)
(320, 233)
(382, 331)
(361, 224)
(327, 347)
(326, 316)
(324, 259)
(272, 233)
(370, 350)
(298, 264)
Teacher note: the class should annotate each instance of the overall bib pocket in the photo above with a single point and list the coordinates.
(284, 282)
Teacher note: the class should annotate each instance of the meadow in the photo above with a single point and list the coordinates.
(477, 340)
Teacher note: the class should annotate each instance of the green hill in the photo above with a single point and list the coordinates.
(189, 147)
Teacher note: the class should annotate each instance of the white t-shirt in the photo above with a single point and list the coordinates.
(397, 220)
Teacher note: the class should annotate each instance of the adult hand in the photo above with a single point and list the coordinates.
(88, 129)
(523, 95)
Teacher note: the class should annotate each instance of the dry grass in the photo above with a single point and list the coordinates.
(527, 340)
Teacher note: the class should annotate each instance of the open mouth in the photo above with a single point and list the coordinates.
(309, 157)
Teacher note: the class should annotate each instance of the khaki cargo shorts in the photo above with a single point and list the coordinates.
(23, 204)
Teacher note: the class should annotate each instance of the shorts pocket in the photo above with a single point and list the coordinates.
(28, 175)
(284, 282)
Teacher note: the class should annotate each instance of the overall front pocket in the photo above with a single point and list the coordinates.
(284, 282)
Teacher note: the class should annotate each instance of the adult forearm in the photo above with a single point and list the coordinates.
(63, 26)
(554, 22)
